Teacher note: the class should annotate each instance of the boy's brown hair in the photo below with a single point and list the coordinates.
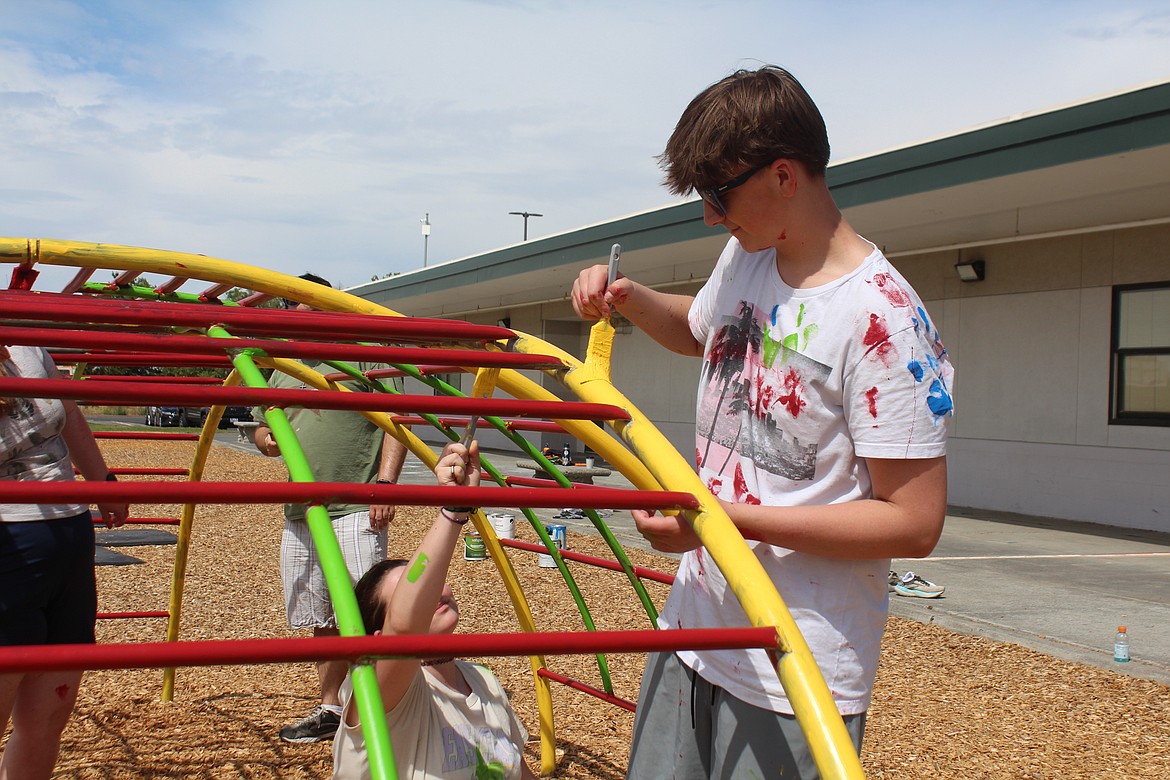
(749, 118)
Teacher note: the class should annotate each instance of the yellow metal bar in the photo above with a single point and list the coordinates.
(484, 385)
(186, 523)
(653, 462)
(812, 702)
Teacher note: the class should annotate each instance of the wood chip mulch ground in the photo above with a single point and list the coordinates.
(946, 705)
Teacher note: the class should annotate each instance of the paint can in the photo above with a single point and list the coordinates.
(473, 547)
(557, 534)
(504, 525)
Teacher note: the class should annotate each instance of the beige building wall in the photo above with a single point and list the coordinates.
(1031, 346)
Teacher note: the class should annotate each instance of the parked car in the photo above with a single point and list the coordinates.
(234, 414)
(170, 416)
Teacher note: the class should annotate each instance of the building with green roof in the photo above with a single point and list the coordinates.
(1061, 338)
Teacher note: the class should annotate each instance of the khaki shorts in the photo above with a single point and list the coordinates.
(306, 595)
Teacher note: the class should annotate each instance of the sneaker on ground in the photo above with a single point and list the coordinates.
(894, 577)
(911, 584)
(318, 726)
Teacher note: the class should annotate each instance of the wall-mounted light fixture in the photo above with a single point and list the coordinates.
(970, 270)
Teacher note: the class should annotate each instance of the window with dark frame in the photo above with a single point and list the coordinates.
(1140, 389)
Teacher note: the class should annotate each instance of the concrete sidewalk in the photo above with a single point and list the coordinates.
(1058, 587)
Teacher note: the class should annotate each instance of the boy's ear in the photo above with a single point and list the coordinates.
(787, 173)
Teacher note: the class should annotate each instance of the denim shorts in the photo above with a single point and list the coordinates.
(48, 593)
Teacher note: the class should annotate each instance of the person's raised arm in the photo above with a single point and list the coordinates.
(661, 316)
(420, 601)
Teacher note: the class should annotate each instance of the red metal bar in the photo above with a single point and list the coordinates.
(242, 320)
(213, 292)
(171, 285)
(142, 472)
(156, 342)
(155, 360)
(127, 615)
(589, 689)
(146, 392)
(125, 278)
(80, 278)
(155, 655)
(145, 435)
(338, 493)
(166, 380)
(601, 563)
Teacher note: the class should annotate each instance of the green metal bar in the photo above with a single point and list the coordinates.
(345, 606)
(562, 481)
(147, 293)
(495, 474)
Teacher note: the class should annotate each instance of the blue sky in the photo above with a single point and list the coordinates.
(300, 135)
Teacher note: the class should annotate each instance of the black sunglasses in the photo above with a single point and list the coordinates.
(711, 194)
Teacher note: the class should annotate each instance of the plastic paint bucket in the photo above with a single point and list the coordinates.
(504, 525)
(473, 548)
(557, 534)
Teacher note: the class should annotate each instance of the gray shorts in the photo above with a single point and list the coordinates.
(306, 595)
(688, 729)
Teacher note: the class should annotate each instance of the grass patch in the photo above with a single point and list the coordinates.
(135, 428)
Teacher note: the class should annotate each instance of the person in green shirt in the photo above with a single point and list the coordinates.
(342, 446)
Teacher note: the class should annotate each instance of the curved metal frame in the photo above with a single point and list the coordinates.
(649, 462)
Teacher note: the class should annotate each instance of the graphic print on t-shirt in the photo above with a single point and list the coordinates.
(754, 384)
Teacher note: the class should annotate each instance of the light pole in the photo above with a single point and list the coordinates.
(526, 215)
(426, 233)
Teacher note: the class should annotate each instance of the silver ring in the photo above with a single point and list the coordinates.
(452, 471)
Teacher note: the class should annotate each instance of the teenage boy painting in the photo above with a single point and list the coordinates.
(821, 426)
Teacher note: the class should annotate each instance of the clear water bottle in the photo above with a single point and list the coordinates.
(1121, 645)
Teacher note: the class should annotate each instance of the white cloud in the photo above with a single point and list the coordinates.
(297, 135)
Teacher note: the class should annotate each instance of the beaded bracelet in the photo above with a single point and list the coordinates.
(443, 511)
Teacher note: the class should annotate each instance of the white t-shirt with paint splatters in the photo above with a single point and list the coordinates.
(437, 732)
(798, 387)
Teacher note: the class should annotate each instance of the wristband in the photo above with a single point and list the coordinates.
(384, 482)
(110, 477)
(460, 509)
(448, 518)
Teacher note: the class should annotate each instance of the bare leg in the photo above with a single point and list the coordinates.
(329, 673)
(9, 683)
(41, 708)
